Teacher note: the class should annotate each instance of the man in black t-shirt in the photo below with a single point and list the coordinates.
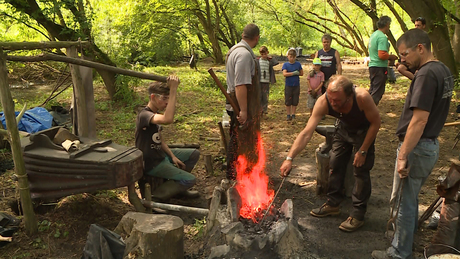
(424, 114)
(174, 165)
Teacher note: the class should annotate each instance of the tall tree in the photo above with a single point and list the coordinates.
(435, 15)
(79, 27)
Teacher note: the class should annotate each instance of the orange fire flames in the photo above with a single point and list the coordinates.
(252, 185)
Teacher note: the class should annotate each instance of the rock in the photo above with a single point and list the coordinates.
(290, 244)
(241, 241)
(152, 235)
(278, 230)
(231, 229)
(219, 251)
(287, 208)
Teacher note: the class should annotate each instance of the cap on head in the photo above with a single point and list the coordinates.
(316, 61)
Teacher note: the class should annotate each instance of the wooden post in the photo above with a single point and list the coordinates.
(19, 167)
(148, 196)
(223, 137)
(208, 163)
(79, 96)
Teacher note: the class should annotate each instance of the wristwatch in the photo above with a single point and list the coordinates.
(288, 158)
(364, 153)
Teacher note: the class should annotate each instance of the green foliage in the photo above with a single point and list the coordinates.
(198, 228)
(125, 93)
(57, 229)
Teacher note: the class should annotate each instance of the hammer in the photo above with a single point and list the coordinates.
(234, 105)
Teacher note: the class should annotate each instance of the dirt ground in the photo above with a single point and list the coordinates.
(72, 216)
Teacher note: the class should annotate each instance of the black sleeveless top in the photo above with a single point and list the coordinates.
(328, 62)
(353, 121)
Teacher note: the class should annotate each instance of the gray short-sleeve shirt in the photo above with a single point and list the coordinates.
(240, 66)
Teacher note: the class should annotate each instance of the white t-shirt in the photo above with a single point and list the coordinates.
(264, 70)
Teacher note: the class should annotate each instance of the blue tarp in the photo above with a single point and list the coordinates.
(34, 120)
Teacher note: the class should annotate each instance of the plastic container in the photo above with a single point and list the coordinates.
(225, 119)
(441, 251)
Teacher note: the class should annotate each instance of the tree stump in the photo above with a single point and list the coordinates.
(322, 175)
(152, 236)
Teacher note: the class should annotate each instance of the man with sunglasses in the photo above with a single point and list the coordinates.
(358, 122)
(424, 114)
(173, 165)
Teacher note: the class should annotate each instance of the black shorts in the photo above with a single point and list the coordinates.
(291, 95)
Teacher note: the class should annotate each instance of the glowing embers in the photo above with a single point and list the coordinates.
(252, 185)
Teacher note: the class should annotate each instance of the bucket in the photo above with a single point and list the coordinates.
(441, 251)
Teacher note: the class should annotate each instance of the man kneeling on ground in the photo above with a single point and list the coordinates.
(358, 122)
(174, 165)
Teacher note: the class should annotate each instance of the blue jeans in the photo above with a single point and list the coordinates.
(166, 169)
(421, 161)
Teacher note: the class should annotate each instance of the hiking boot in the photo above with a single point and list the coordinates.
(325, 210)
(380, 254)
(351, 224)
(189, 194)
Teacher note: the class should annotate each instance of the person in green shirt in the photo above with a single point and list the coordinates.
(379, 56)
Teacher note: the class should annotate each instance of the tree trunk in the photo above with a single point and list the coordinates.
(64, 33)
(435, 15)
(152, 236)
(15, 142)
(456, 36)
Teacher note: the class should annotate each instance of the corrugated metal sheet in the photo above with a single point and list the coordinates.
(97, 165)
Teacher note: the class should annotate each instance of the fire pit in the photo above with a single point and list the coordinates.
(249, 225)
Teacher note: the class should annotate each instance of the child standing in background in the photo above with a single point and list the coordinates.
(315, 81)
(291, 71)
(267, 76)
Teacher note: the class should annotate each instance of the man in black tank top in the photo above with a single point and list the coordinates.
(358, 122)
(330, 60)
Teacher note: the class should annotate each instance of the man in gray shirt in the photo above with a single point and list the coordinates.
(424, 114)
(242, 85)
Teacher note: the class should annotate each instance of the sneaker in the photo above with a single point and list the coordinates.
(351, 224)
(288, 118)
(325, 210)
(380, 254)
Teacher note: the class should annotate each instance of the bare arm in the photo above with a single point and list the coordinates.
(339, 62)
(288, 74)
(316, 54)
(301, 72)
(305, 135)
(168, 116)
(366, 104)
(169, 153)
(405, 72)
(414, 133)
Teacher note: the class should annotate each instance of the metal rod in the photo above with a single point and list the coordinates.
(269, 206)
(151, 204)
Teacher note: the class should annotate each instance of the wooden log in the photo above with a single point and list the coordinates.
(455, 123)
(223, 137)
(322, 173)
(174, 207)
(86, 63)
(148, 196)
(152, 236)
(213, 208)
(15, 142)
(79, 94)
(208, 164)
(5, 239)
(134, 199)
(42, 45)
(184, 145)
